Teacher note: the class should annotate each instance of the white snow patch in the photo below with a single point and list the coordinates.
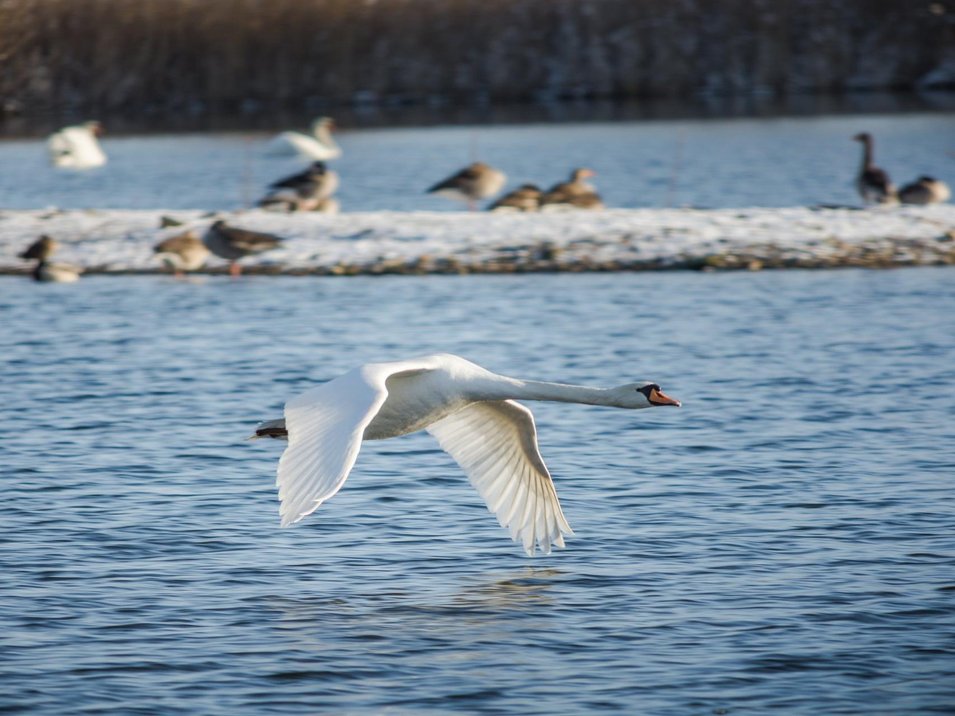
(122, 240)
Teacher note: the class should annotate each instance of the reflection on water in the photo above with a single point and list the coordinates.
(527, 589)
(480, 604)
(782, 542)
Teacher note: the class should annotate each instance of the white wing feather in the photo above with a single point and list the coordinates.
(495, 443)
(325, 427)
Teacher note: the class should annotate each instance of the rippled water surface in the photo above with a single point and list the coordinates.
(709, 163)
(785, 541)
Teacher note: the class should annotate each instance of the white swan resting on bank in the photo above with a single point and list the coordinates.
(471, 411)
(317, 146)
(77, 147)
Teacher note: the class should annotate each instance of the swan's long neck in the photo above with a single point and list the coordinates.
(323, 135)
(503, 388)
(866, 153)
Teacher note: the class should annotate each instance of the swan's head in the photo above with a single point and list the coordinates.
(863, 137)
(95, 127)
(642, 395)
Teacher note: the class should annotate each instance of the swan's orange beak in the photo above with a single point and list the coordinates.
(658, 397)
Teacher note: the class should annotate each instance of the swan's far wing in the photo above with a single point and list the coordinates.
(495, 443)
(325, 427)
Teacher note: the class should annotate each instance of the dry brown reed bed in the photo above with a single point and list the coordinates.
(141, 57)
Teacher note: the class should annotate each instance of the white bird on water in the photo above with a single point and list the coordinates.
(77, 147)
(470, 410)
(317, 146)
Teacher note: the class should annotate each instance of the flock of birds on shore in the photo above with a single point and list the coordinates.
(77, 147)
(313, 189)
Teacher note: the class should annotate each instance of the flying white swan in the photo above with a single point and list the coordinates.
(77, 147)
(471, 411)
(318, 146)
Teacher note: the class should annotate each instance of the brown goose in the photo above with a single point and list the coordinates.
(573, 194)
(41, 250)
(925, 190)
(233, 243)
(182, 252)
(476, 181)
(873, 183)
(526, 197)
(309, 190)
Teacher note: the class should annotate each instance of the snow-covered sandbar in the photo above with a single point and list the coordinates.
(121, 241)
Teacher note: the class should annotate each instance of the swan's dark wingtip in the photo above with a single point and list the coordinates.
(274, 429)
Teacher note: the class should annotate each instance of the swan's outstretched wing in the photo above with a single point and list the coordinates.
(495, 443)
(325, 426)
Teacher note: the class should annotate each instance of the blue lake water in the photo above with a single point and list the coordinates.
(785, 541)
(711, 163)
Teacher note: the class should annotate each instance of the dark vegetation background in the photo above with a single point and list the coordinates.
(166, 57)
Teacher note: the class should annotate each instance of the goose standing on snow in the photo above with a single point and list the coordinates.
(471, 411)
(41, 250)
(310, 190)
(318, 146)
(475, 182)
(925, 190)
(77, 147)
(872, 182)
(527, 197)
(573, 194)
(233, 243)
(183, 252)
